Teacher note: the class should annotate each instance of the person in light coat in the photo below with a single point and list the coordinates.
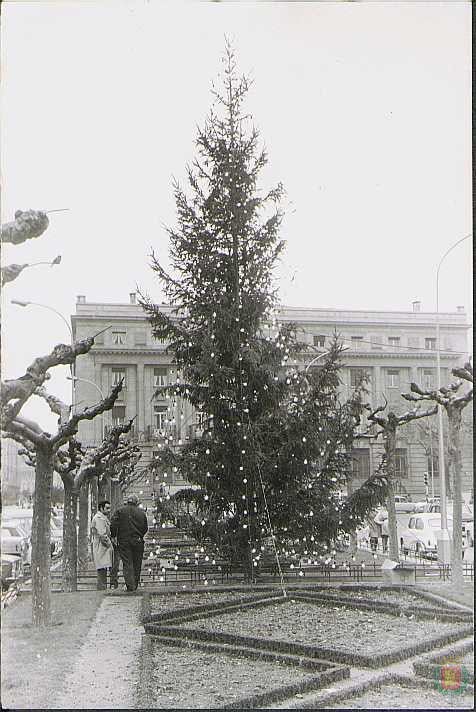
(103, 550)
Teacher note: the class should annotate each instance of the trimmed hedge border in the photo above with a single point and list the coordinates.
(194, 612)
(444, 602)
(328, 672)
(385, 607)
(426, 667)
(355, 659)
(253, 654)
(359, 688)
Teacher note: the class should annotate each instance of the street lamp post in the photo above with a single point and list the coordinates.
(24, 303)
(443, 540)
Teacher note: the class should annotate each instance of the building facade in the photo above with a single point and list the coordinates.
(391, 349)
(18, 478)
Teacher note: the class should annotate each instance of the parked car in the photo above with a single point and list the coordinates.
(24, 517)
(12, 569)
(15, 541)
(56, 535)
(403, 503)
(421, 534)
(18, 524)
(467, 510)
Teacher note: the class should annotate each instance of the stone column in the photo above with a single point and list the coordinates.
(140, 397)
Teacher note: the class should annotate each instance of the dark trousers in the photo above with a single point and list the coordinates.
(102, 579)
(131, 554)
(114, 570)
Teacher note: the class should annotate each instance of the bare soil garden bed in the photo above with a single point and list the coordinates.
(164, 604)
(333, 628)
(195, 679)
(399, 597)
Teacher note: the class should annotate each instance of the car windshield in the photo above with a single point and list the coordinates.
(411, 523)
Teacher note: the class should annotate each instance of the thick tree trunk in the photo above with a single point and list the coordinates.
(116, 496)
(70, 540)
(83, 554)
(94, 499)
(41, 539)
(455, 468)
(390, 444)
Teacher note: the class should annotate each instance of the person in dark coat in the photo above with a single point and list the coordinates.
(129, 526)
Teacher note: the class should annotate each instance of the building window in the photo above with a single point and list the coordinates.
(160, 416)
(357, 377)
(118, 375)
(401, 463)
(376, 342)
(361, 463)
(118, 414)
(393, 378)
(357, 342)
(160, 377)
(394, 341)
(319, 340)
(428, 378)
(430, 344)
(140, 338)
(118, 338)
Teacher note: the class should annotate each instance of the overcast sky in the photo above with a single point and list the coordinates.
(364, 107)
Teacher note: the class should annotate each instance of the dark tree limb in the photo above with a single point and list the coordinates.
(70, 428)
(21, 389)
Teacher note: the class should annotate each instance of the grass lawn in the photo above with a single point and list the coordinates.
(35, 660)
(464, 596)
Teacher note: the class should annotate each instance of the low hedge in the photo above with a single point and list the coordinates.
(194, 612)
(346, 658)
(252, 653)
(385, 607)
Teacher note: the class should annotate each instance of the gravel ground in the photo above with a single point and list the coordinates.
(179, 601)
(185, 679)
(105, 673)
(401, 697)
(340, 628)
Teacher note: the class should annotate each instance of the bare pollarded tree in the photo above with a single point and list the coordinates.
(389, 425)
(454, 402)
(45, 447)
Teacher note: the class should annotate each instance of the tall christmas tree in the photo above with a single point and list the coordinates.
(273, 459)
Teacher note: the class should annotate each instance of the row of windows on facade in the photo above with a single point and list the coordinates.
(377, 342)
(160, 417)
(393, 377)
(119, 338)
(361, 463)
